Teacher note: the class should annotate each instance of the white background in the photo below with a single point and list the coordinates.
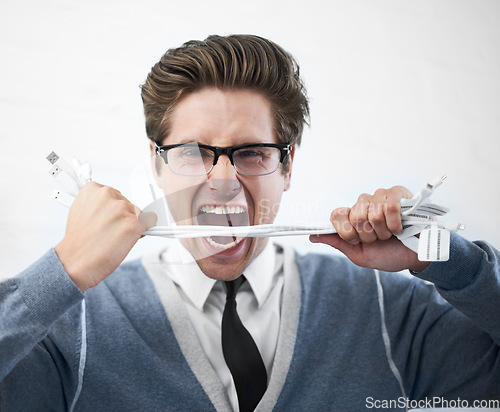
(401, 92)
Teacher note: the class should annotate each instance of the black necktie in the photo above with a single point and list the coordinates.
(241, 353)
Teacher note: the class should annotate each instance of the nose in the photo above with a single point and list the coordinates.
(223, 169)
(223, 181)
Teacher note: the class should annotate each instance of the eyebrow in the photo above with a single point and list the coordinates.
(188, 141)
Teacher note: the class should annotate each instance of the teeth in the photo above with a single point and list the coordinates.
(222, 246)
(222, 210)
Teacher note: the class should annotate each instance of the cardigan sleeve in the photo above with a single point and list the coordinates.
(29, 304)
(470, 282)
(446, 336)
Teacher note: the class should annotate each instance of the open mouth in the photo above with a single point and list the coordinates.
(223, 216)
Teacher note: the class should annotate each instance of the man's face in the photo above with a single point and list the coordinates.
(223, 197)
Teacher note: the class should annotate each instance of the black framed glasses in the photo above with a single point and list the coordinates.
(195, 159)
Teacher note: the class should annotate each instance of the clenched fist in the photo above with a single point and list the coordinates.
(102, 228)
(365, 232)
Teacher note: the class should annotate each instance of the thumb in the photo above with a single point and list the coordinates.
(333, 240)
(148, 219)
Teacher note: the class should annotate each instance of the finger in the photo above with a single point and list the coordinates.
(377, 215)
(99, 195)
(343, 226)
(393, 208)
(90, 185)
(359, 219)
(87, 191)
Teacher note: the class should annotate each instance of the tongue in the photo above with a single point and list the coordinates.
(213, 219)
(222, 240)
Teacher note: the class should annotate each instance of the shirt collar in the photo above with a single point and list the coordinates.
(260, 273)
(185, 273)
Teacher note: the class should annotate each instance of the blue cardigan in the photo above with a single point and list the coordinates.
(132, 360)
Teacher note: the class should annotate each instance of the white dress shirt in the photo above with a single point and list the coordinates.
(258, 305)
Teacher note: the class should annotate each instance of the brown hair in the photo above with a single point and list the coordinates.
(232, 62)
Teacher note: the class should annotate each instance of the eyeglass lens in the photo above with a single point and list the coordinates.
(192, 160)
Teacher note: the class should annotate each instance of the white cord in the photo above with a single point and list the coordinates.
(424, 194)
(63, 198)
(385, 335)
(65, 180)
(417, 217)
(83, 356)
(70, 177)
(267, 230)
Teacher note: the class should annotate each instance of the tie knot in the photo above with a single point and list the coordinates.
(233, 286)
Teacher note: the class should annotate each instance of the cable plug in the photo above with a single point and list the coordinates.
(63, 198)
(83, 171)
(65, 180)
(70, 177)
(425, 193)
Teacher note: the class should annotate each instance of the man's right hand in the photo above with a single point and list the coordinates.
(102, 228)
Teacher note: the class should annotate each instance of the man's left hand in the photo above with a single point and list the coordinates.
(366, 232)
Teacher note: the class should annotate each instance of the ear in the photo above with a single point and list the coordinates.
(153, 160)
(288, 174)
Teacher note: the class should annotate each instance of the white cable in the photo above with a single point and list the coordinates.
(55, 160)
(452, 226)
(83, 356)
(430, 209)
(268, 230)
(385, 335)
(424, 193)
(70, 177)
(83, 171)
(65, 180)
(417, 217)
(62, 197)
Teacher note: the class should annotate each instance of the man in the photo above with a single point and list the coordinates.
(81, 332)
